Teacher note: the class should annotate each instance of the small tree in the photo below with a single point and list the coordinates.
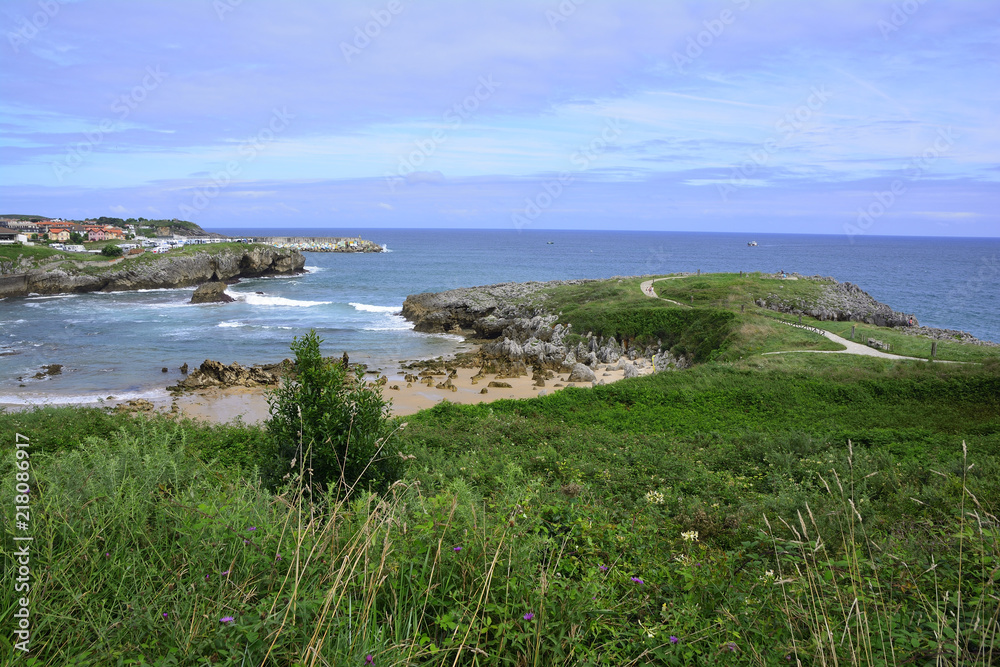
(334, 423)
(75, 237)
(112, 250)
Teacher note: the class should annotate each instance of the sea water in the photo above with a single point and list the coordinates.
(116, 344)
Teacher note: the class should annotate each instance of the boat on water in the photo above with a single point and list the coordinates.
(751, 243)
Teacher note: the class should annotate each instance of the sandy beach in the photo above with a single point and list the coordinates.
(250, 404)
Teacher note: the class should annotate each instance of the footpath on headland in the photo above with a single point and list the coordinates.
(850, 346)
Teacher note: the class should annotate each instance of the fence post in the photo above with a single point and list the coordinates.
(852, 331)
(741, 307)
(933, 348)
(800, 319)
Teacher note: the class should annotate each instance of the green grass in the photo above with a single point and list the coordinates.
(902, 344)
(729, 290)
(759, 510)
(145, 516)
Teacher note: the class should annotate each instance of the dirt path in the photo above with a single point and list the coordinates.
(850, 347)
(647, 289)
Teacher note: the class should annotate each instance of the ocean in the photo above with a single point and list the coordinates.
(116, 344)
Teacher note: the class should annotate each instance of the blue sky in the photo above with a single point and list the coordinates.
(828, 116)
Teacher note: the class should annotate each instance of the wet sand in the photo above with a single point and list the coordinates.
(224, 405)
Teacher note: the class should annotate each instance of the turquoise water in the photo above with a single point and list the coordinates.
(116, 344)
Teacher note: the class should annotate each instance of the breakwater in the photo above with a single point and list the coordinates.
(321, 243)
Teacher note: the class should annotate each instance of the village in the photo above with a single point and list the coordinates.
(134, 237)
(76, 236)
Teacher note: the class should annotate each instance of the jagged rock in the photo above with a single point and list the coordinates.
(48, 370)
(630, 371)
(184, 369)
(484, 390)
(582, 373)
(212, 292)
(215, 374)
(136, 405)
(499, 385)
(480, 309)
(839, 302)
(182, 270)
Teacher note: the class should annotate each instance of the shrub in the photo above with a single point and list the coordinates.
(333, 424)
(112, 250)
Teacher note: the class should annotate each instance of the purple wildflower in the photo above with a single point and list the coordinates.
(673, 640)
(206, 577)
(529, 616)
(226, 619)
(638, 580)
(225, 573)
(246, 541)
(369, 659)
(164, 614)
(457, 549)
(277, 556)
(252, 528)
(731, 647)
(602, 568)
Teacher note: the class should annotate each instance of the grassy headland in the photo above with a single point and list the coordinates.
(759, 510)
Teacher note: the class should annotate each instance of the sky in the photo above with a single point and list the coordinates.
(827, 117)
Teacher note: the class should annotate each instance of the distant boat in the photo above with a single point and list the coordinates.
(751, 243)
(550, 242)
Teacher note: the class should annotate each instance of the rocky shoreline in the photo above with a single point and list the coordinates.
(156, 271)
(515, 334)
(847, 302)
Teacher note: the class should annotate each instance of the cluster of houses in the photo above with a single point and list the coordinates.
(14, 230)
(59, 235)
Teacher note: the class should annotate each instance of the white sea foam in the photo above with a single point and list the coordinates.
(264, 300)
(52, 296)
(365, 308)
(231, 325)
(314, 269)
(151, 289)
(84, 399)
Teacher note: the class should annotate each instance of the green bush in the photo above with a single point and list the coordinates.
(699, 334)
(112, 250)
(333, 424)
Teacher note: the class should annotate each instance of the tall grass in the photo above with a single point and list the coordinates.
(148, 556)
(924, 598)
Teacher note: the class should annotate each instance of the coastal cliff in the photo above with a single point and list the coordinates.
(518, 330)
(183, 268)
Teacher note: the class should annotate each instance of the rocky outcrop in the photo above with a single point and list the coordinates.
(519, 332)
(581, 373)
(149, 271)
(952, 335)
(484, 311)
(215, 374)
(212, 292)
(838, 302)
